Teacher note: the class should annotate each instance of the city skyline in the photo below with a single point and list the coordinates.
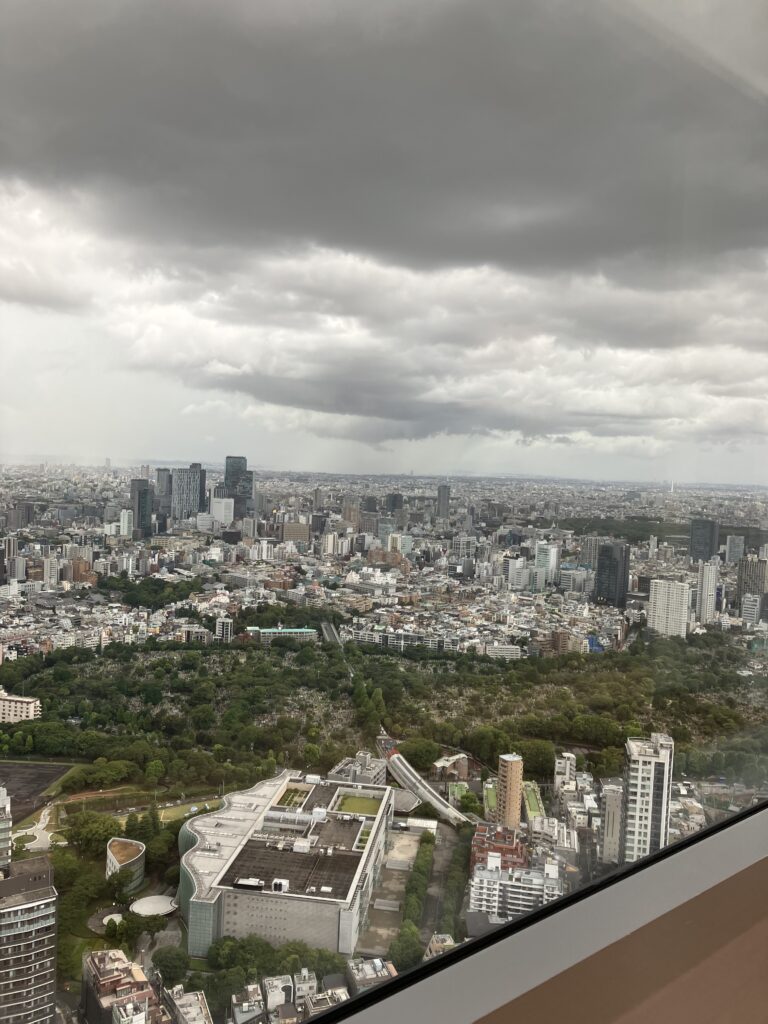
(535, 256)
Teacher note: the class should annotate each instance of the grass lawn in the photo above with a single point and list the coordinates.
(198, 963)
(359, 805)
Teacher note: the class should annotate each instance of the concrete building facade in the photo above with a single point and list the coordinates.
(28, 904)
(294, 857)
(647, 789)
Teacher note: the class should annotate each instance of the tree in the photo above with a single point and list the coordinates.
(154, 771)
(407, 949)
(469, 804)
(172, 963)
(89, 832)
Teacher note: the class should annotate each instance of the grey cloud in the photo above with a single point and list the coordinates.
(536, 136)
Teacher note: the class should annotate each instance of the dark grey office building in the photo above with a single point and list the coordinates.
(705, 539)
(612, 576)
(235, 467)
(141, 503)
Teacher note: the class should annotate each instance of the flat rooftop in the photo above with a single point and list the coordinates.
(125, 850)
(301, 870)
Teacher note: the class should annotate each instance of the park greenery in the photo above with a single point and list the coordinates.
(164, 721)
(83, 889)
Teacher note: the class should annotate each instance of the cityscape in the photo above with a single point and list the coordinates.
(383, 512)
(210, 755)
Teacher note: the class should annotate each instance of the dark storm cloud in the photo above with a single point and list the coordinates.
(528, 135)
(544, 221)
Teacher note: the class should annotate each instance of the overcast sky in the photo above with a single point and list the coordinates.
(441, 235)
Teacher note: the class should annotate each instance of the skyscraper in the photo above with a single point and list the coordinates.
(28, 943)
(163, 475)
(443, 501)
(668, 608)
(704, 540)
(647, 787)
(188, 491)
(547, 557)
(141, 506)
(126, 522)
(734, 548)
(235, 467)
(612, 576)
(509, 790)
(706, 592)
(752, 577)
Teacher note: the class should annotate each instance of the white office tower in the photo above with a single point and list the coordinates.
(516, 573)
(668, 608)
(547, 557)
(706, 592)
(653, 546)
(50, 572)
(5, 831)
(223, 510)
(647, 786)
(751, 605)
(565, 769)
(734, 549)
(507, 894)
(126, 522)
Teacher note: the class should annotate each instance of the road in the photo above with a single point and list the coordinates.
(330, 633)
(42, 840)
(404, 773)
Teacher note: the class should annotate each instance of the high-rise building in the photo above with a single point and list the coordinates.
(6, 843)
(706, 592)
(752, 577)
(223, 510)
(141, 506)
(235, 466)
(704, 540)
(28, 943)
(751, 608)
(188, 491)
(612, 576)
(394, 502)
(443, 501)
(589, 550)
(163, 490)
(647, 788)
(126, 522)
(734, 548)
(547, 557)
(509, 790)
(668, 608)
(611, 809)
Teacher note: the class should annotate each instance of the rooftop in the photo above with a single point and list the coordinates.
(125, 850)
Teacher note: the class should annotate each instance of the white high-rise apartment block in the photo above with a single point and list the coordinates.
(507, 894)
(126, 522)
(17, 709)
(516, 572)
(647, 786)
(565, 769)
(668, 608)
(706, 593)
